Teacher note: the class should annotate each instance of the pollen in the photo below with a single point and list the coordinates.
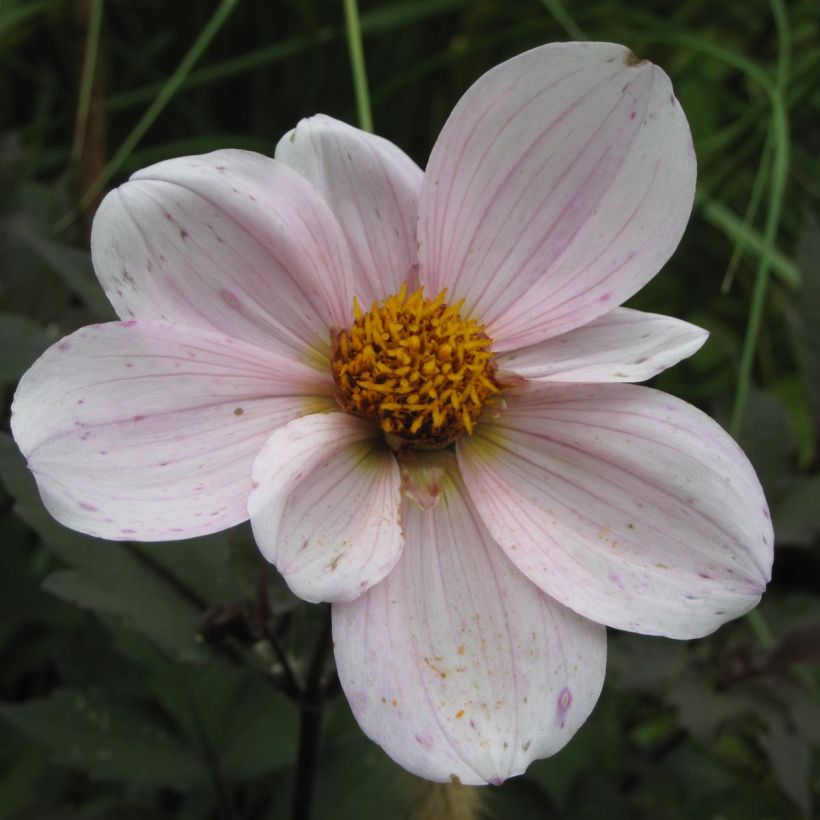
(416, 368)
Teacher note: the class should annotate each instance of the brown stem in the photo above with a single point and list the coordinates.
(89, 148)
(310, 716)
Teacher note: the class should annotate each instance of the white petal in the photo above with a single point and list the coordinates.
(142, 430)
(456, 664)
(230, 241)
(560, 184)
(325, 506)
(627, 505)
(372, 187)
(621, 346)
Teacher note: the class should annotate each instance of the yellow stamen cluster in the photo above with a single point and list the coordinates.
(415, 367)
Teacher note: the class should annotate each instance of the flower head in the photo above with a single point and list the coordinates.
(415, 385)
(416, 368)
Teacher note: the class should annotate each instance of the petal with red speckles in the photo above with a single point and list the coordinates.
(148, 431)
(230, 241)
(457, 665)
(627, 505)
(325, 506)
(560, 184)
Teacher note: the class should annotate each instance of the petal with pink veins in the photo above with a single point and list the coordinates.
(627, 505)
(621, 346)
(325, 506)
(560, 184)
(455, 664)
(230, 241)
(146, 431)
(373, 188)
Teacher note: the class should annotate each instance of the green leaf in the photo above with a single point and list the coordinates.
(790, 757)
(260, 729)
(106, 576)
(395, 16)
(21, 487)
(250, 727)
(517, 798)
(767, 439)
(797, 514)
(355, 778)
(796, 399)
(16, 15)
(642, 663)
(110, 739)
(805, 309)
(595, 746)
(111, 579)
(725, 220)
(702, 710)
(21, 771)
(22, 341)
(70, 264)
(205, 566)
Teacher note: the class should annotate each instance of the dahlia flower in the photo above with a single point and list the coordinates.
(415, 385)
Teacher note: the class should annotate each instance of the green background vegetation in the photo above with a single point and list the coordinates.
(135, 680)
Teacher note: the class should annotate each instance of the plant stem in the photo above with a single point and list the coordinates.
(222, 790)
(159, 102)
(746, 232)
(289, 683)
(779, 130)
(310, 718)
(779, 172)
(357, 66)
(760, 628)
(88, 150)
(91, 13)
(564, 19)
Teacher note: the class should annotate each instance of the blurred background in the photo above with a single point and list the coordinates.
(135, 680)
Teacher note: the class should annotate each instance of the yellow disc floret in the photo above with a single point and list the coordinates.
(415, 367)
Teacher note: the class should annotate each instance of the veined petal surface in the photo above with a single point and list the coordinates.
(325, 506)
(372, 188)
(146, 431)
(626, 504)
(230, 241)
(621, 346)
(456, 664)
(560, 184)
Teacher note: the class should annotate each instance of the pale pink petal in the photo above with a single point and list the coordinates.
(142, 430)
(621, 346)
(230, 241)
(325, 506)
(627, 505)
(560, 184)
(372, 187)
(456, 664)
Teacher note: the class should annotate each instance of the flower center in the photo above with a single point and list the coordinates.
(415, 367)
